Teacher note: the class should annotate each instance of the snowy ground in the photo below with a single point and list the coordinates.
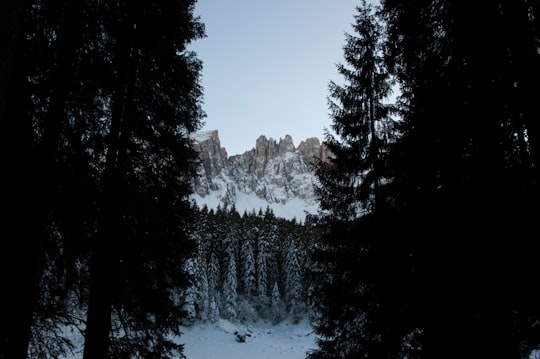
(218, 340)
(263, 341)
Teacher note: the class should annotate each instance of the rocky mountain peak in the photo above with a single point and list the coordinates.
(273, 174)
(312, 149)
(212, 155)
(269, 148)
(286, 145)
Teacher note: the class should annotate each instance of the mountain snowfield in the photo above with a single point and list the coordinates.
(273, 174)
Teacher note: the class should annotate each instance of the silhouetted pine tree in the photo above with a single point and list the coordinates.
(73, 74)
(351, 182)
(45, 115)
(153, 103)
(465, 172)
(359, 310)
(479, 165)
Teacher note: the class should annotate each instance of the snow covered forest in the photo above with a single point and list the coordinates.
(249, 267)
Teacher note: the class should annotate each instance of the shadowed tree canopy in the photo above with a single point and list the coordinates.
(97, 101)
(427, 273)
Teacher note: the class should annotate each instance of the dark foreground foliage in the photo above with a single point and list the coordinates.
(432, 253)
(97, 99)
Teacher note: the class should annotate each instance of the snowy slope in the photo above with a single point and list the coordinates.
(273, 174)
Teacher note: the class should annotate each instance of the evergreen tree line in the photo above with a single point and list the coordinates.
(431, 200)
(97, 100)
(249, 268)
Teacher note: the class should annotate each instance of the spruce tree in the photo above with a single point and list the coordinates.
(277, 309)
(214, 287)
(464, 166)
(153, 94)
(293, 281)
(351, 182)
(248, 277)
(230, 286)
(271, 233)
(449, 229)
(190, 294)
(94, 116)
(356, 304)
(262, 271)
(202, 281)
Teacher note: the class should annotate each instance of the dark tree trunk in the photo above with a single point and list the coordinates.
(102, 264)
(98, 325)
(106, 251)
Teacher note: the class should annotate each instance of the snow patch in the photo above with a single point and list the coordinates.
(201, 136)
(265, 341)
(248, 202)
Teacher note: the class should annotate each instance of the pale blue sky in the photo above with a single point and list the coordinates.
(267, 65)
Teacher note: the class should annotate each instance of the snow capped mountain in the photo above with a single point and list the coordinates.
(273, 174)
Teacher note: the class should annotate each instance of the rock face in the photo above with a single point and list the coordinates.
(273, 174)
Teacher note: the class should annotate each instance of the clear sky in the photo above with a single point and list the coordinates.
(267, 65)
